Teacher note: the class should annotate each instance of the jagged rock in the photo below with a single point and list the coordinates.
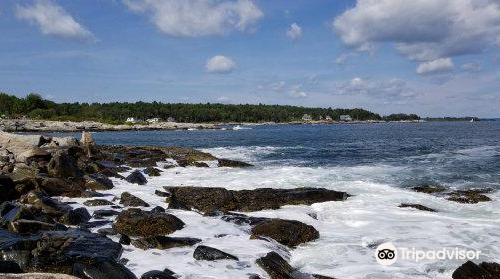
(136, 222)
(87, 139)
(158, 209)
(59, 187)
(75, 216)
(24, 147)
(124, 239)
(12, 212)
(163, 242)
(238, 218)
(152, 171)
(22, 171)
(136, 177)
(287, 232)
(102, 270)
(156, 274)
(45, 203)
(417, 206)
(98, 182)
(233, 163)
(107, 231)
(469, 196)
(484, 270)
(161, 193)
(276, 267)
(206, 253)
(63, 165)
(208, 199)
(98, 202)
(102, 213)
(429, 189)
(7, 188)
(128, 199)
(91, 194)
(29, 226)
(38, 276)
(9, 267)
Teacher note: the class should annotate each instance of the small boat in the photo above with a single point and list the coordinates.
(472, 120)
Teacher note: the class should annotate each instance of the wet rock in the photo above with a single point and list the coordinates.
(45, 204)
(238, 218)
(87, 139)
(111, 173)
(12, 212)
(91, 194)
(136, 222)
(59, 187)
(200, 164)
(287, 232)
(29, 226)
(417, 206)
(469, 196)
(75, 216)
(161, 193)
(233, 163)
(163, 242)
(209, 199)
(17, 248)
(470, 270)
(206, 253)
(136, 177)
(107, 231)
(97, 202)
(102, 213)
(102, 270)
(7, 188)
(276, 267)
(158, 209)
(9, 267)
(152, 171)
(128, 199)
(124, 239)
(156, 274)
(63, 165)
(38, 276)
(98, 182)
(429, 189)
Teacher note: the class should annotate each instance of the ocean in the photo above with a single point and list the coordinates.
(376, 163)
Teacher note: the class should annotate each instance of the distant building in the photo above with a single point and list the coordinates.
(130, 120)
(153, 120)
(328, 118)
(345, 117)
(170, 119)
(306, 117)
(320, 118)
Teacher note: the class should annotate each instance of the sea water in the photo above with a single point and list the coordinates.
(376, 163)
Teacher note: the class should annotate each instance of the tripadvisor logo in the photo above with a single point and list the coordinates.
(387, 254)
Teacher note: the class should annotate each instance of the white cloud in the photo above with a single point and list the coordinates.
(423, 30)
(435, 66)
(344, 57)
(53, 20)
(387, 90)
(294, 32)
(220, 64)
(472, 67)
(296, 91)
(223, 99)
(194, 18)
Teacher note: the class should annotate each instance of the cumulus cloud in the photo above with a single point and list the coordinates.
(294, 32)
(194, 18)
(52, 19)
(423, 30)
(392, 89)
(472, 67)
(220, 64)
(435, 66)
(296, 91)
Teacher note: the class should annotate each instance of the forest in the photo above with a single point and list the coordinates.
(33, 106)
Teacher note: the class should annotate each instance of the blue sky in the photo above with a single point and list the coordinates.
(434, 58)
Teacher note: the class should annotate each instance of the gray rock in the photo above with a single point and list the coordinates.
(207, 253)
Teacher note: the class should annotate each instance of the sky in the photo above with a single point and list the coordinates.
(430, 57)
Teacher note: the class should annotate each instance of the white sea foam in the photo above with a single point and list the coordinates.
(348, 229)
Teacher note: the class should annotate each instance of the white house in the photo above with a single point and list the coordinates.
(170, 119)
(153, 120)
(306, 117)
(345, 117)
(328, 118)
(130, 120)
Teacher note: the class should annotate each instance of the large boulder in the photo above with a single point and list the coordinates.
(7, 188)
(136, 222)
(38, 276)
(98, 182)
(276, 267)
(484, 270)
(157, 274)
(45, 204)
(233, 163)
(209, 199)
(24, 147)
(30, 226)
(128, 199)
(152, 171)
(9, 267)
(59, 187)
(136, 177)
(63, 165)
(102, 270)
(163, 242)
(207, 253)
(287, 232)
(75, 216)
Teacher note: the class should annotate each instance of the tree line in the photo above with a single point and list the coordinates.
(35, 107)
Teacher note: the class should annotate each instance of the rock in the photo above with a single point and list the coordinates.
(24, 147)
(7, 188)
(156, 274)
(158, 209)
(128, 199)
(163, 242)
(107, 231)
(63, 165)
(17, 248)
(287, 232)
(136, 177)
(45, 203)
(233, 164)
(276, 267)
(124, 239)
(238, 218)
(87, 139)
(161, 193)
(59, 187)
(9, 267)
(417, 206)
(29, 226)
(91, 194)
(12, 212)
(206, 253)
(469, 196)
(37, 276)
(102, 270)
(484, 270)
(152, 171)
(208, 199)
(200, 164)
(428, 189)
(97, 202)
(101, 213)
(75, 216)
(136, 222)
(98, 182)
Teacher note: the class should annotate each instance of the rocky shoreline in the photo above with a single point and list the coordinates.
(43, 229)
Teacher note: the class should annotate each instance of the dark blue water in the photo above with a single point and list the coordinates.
(446, 153)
